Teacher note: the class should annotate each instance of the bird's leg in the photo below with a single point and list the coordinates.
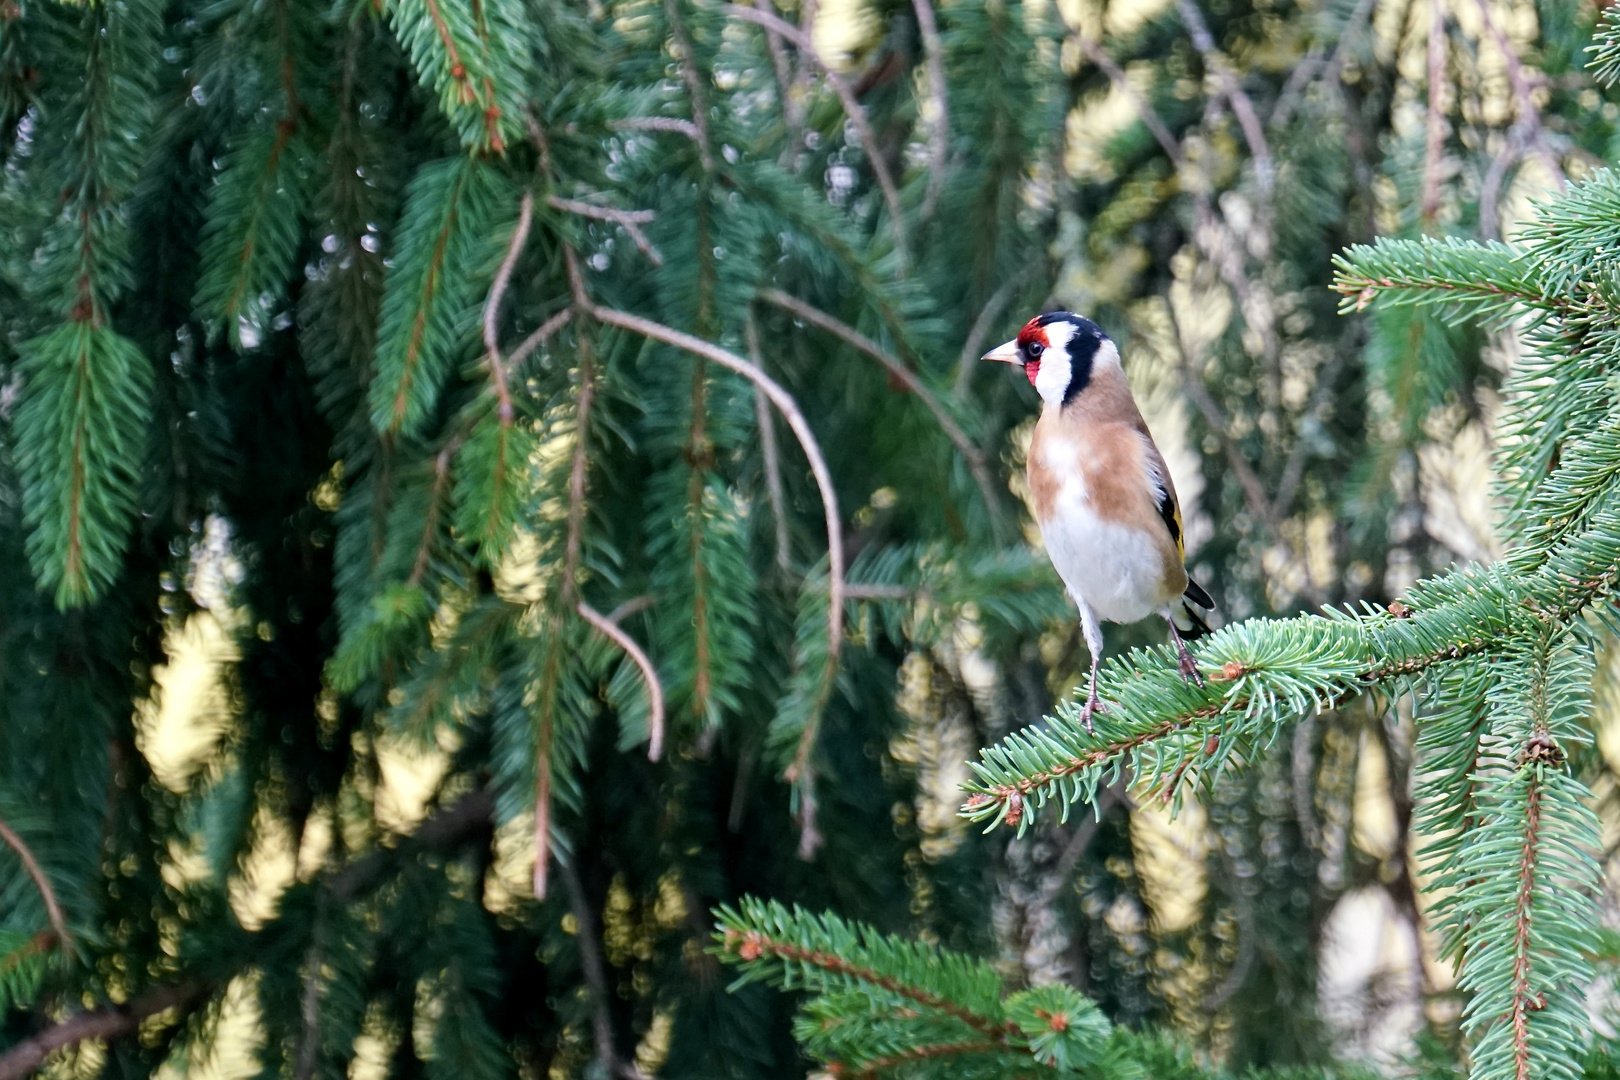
(1094, 644)
(1185, 662)
(1092, 704)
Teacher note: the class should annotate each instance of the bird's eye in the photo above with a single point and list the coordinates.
(1035, 349)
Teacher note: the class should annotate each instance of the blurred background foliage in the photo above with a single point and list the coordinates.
(335, 481)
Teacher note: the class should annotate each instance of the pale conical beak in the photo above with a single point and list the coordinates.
(1007, 354)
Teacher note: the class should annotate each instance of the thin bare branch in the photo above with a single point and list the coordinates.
(1144, 109)
(655, 689)
(53, 909)
(540, 336)
(630, 220)
(772, 460)
(694, 82)
(1303, 770)
(906, 377)
(492, 307)
(633, 606)
(581, 460)
(792, 108)
(1435, 120)
(973, 347)
(659, 123)
(1529, 115)
(1490, 189)
(939, 138)
(801, 429)
(588, 938)
(852, 109)
(1305, 74)
(1254, 133)
(107, 1023)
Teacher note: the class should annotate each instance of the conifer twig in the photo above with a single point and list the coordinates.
(659, 123)
(767, 446)
(939, 138)
(1254, 133)
(655, 689)
(541, 335)
(906, 377)
(801, 429)
(53, 909)
(792, 112)
(492, 307)
(973, 347)
(1529, 115)
(630, 220)
(852, 109)
(106, 1023)
(694, 83)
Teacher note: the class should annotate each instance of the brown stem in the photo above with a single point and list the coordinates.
(630, 220)
(928, 1052)
(1254, 133)
(107, 1023)
(1529, 115)
(53, 909)
(751, 945)
(492, 307)
(660, 123)
(903, 375)
(540, 336)
(940, 135)
(792, 111)
(655, 689)
(801, 429)
(694, 83)
(852, 109)
(772, 460)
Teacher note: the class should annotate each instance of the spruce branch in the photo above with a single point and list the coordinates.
(852, 109)
(1529, 119)
(1254, 132)
(660, 123)
(905, 377)
(771, 460)
(694, 83)
(492, 307)
(107, 1023)
(610, 629)
(542, 334)
(1266, 672)
(630, 220)
(42, 882)
(796, 422)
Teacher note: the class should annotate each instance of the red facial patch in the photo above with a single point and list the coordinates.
(1032, 333)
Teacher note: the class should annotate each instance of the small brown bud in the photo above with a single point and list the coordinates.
(1015, 808)
(1212, 744)
(1399, 610)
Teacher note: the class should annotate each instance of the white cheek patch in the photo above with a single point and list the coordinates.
(1053, 378)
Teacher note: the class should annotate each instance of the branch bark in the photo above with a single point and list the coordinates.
(47, 894)
(906, 377)
(852, 109)
(655, 689)
(939, 143)
(110, 1022)
(772, 460)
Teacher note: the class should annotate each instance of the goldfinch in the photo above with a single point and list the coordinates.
(1103, 498)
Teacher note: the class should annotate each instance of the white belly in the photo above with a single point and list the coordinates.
(1117, 569)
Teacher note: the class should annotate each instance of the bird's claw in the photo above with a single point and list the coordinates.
(1189, 669)
(1093, 706)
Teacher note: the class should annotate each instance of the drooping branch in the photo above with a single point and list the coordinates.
(939, 137)
(903, 375)
(492, 307)
(543, 333)
(655, 689)
(1529, 120)
(694, 83)
(109, 1022)
(630, 220)
(852, 109)
(660, 123)
(801, 429)
(772, 462)
(42, 882)
(1254, 133)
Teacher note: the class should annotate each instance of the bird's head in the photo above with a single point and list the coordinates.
(1061, 353)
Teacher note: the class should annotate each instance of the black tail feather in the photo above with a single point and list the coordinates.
(1195, 592)
(1189, 620)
